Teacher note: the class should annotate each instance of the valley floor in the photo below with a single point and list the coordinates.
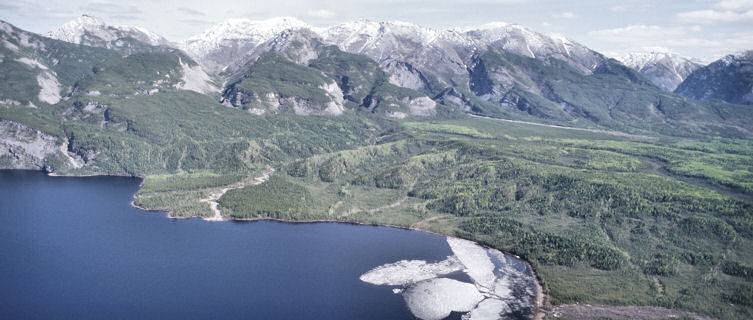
(605, 219)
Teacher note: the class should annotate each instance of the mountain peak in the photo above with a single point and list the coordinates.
(93, 31)
(663, 67)
(72, 31)
(239, 36)
(245, 28)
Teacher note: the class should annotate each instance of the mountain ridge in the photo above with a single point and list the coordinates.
(665, 69)
(729, 79)
(93, 31)
(448, 66)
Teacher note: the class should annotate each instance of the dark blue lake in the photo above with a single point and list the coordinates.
(73, 248)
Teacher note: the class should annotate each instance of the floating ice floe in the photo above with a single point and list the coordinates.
(489, 309)
(406, 272)
(501, 284)
(437, 298)
(477, 262)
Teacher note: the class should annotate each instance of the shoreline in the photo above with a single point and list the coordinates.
(541, 296)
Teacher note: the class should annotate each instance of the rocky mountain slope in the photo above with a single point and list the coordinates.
(400, 69)
(223, 44)
(297, 71)
(666, 70)
(92, 31)
(729, 79)
(46, 84)
(416, 57)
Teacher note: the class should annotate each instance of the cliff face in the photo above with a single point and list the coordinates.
(22, 147)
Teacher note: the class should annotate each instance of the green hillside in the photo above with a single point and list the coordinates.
(664, 218)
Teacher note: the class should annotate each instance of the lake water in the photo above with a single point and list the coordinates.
(75, 248)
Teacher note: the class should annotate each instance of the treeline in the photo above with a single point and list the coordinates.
(544, 247)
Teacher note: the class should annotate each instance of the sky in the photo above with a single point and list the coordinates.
(702, 29)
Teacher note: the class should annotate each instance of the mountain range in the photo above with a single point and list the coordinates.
(496, 69)
(617, 187)
(394, 69)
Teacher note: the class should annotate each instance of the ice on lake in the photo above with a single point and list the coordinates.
(436, 298)
(500, 285)
(406, 272)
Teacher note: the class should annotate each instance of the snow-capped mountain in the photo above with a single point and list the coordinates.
(225, 43)
(92, 31)
(417, 57)
(526, 42)
(665, 69)
(729, 79)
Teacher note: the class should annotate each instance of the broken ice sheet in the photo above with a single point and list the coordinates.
(437, 298)
(502, 287)
(477, 263)
(489, 309)
(406, 272)
(497, 280)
